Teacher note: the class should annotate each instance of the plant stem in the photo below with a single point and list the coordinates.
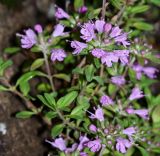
(103, 9)
(44, 49)
(48, 71)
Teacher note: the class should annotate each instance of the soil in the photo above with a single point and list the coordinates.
(20, 137)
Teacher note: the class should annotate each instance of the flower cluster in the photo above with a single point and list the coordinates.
(99, 35)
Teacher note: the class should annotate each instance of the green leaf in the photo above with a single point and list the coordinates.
(48, 100)
(94, 13)
(35, 49)
(152, 58)
(116, 3)
(51, 114)
(37, 63)
(67, 99)
(56, 130)
(99, 80)
(77, 70)
(24, 88)
(143, 151)
(29, 75)
(143, 26)
(12, 50)
(63, 77)
(2, 88)
(156, 114)
(139, 9)
(43, 87)
(25, 114)
(4, 65)
(111, 89)
(156, 2)
(78, 4)
(89, 72)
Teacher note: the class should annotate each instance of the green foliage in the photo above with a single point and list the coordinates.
(25, 114)
(56, 130)
(4, 65)
(37, 63)
(66, 100)
(12, 50)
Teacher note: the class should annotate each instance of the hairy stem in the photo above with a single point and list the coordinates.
(48, 71)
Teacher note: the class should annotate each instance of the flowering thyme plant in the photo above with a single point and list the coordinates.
(93, 87)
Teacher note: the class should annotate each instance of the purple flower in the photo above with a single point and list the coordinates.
(136, 94)
(130, 110)
(60, 13)
(97, 52)
(82, 10)
(116, 31)
(122, 39)
(99, 25)
(83, 154)
(143, 113)
(129, 131)
(58, 54)
(108, 59)
(106, 100)
(71, 149)
(87, 31)
(118, 80)
(106, 131)
(58, 143)
(58, 30)
(83, 140)
(99, 115)
(94, 145)
(122, 55)
(78, 46)
(122, 145)
(150, 72)
(138, 69)
(29, 39)
(107, 27)
(38, 28)
(93, 128)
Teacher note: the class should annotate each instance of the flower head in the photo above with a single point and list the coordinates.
(109, 58)
(150, 72)
(60, 13)
(118, 80)
(143, 113)
(97, 52)
(129, 131)
(106, 100)
(71, 149)
(78, 46)
(138, 69)
(136, 94)
(82, 10)
(122, 55)
(99, 25)
(58, 54)
(38, 28)
(93, 128)
(29, 39)
(87, 31)
(122, 145)
(58, 30)
(99, 115)
(58, 143)
(83, 140)
(116, 31)
(94, 145)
